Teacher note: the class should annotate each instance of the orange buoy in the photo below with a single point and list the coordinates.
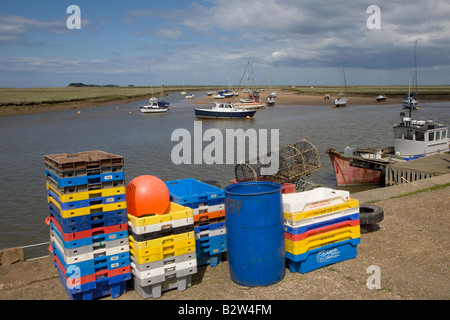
(147, 194)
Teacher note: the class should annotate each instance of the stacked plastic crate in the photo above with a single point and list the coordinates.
(162, 250)
(321, 228)
(88, 223)
(208, 205)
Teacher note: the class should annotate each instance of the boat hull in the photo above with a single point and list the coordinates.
(347, 174)
(250, 105)
(212, 114)
(153, 110)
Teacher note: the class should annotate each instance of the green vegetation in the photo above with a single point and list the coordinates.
(435, 187)
(373, 90)
(81, 92)
(36, 96)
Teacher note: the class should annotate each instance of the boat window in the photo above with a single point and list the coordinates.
(430, 136)
(398, 133)
(444, 134)
(438, 135)
(409, 134)
(420, 136)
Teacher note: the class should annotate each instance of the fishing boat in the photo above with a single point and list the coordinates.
(155, 106)
(224, 110)
(413, 139)
(189, 95)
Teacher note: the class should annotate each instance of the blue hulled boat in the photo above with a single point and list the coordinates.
(224, 110)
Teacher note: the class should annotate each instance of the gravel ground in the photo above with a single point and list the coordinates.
(410, 247)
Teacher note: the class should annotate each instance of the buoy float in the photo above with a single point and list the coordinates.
(79, 112)
(248, 117)
(147, 194)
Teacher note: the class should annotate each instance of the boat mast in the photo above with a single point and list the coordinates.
(345, 81)
(415, 69)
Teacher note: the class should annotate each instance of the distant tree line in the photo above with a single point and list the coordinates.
(79, 84)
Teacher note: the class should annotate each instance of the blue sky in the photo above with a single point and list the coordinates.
(300, 42)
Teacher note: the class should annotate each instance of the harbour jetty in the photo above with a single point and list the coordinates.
(410, 250)
(423, 168)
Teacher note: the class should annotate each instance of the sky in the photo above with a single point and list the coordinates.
(210, 42)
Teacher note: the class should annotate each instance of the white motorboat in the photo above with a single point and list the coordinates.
(154, 106)
(271, 100)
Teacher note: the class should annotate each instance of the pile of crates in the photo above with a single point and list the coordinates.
(88, 223)
(321, 228)
(162, 251)
(208, 205)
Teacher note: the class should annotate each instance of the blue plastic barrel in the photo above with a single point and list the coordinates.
(255, 233)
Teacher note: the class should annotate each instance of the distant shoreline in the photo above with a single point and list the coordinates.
(285, 97)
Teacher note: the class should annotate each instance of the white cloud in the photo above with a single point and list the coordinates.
(168, 34)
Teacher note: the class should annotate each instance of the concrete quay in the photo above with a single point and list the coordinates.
(410, 248)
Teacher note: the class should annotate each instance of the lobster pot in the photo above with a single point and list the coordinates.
(295, 160)
(254, 222)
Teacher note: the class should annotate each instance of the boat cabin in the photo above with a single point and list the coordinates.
(224, 106)
(418, 137)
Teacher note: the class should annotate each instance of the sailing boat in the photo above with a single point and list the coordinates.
(155, 106)
(381, 97)
(184, 90)
(341, 101)
(410, 101)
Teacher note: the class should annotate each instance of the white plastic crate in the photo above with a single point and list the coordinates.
(313, 199)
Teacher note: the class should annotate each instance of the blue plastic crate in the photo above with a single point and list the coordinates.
(98, 238)
(211, 245)
(194, 192)
(207, 258)
(90, 221)
(85, 203)
(85, 180)
(92, 266)
(211, 226)
(322, 256)
(303, 229)
(110, 286)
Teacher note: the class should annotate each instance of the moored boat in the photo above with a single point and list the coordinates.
(224, 110)
(155, 106)
(413, 139)
(271, 100)
(380, 98)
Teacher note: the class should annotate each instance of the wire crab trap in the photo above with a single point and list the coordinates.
(295, 161)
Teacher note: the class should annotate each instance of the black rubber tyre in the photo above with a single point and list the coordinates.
(370, 214)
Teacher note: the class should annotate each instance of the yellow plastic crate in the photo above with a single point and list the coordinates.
(162, 255)
(108, 192)
(174, 212)
(161, 245)
(310, 243)
(87, 210)
(167, 240)
(352, 203)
